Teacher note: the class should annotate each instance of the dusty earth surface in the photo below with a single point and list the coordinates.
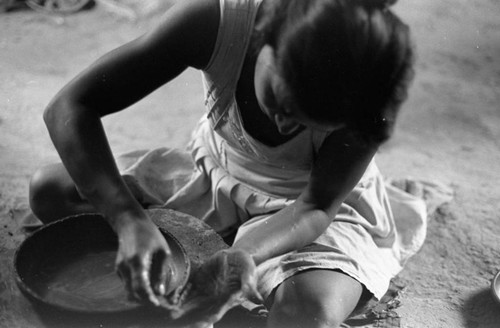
(449, 132)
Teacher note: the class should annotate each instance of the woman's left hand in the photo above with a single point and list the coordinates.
(225, 280)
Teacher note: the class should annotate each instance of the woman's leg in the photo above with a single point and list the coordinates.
(53, 195)
(314, 299)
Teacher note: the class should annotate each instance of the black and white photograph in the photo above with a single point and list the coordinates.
(249, 163)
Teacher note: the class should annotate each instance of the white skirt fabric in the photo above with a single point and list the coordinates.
(376, 230)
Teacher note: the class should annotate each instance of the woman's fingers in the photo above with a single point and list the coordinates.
(249, 280)
(251, 293)
(161, 273)
(136, 273)
(142, 260)
(243, 273)
(123, 271)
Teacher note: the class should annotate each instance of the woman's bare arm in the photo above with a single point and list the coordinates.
(339, 167)
(184, 38)
(114, 82)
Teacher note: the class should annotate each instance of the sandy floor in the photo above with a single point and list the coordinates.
(449, 132)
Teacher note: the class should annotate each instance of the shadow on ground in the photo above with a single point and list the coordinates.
(145, 318)
(479, 306)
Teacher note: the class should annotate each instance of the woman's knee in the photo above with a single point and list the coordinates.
(50, 190)
(304, 314)
(312, 300)
(41, 184)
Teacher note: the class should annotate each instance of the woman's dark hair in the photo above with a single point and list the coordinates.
(345, 61)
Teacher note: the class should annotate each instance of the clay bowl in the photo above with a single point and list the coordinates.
(70, 265)
(495, 287)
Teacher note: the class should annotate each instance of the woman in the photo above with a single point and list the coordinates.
(299, 96)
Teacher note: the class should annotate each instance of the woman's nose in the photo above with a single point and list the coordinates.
(285, 124)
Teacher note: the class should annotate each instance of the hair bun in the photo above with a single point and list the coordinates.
(380, 4)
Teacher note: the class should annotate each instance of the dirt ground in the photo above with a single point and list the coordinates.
(449, 132)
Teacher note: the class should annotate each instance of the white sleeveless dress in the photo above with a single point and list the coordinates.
(234, 183)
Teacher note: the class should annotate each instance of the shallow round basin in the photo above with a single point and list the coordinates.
(70, 264)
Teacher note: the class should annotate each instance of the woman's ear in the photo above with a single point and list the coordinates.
(285, 124)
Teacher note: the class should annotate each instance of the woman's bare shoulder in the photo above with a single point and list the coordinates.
(187, 31)
(184, 37)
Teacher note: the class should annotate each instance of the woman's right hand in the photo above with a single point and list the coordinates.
(143, 260)
(224, 281)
